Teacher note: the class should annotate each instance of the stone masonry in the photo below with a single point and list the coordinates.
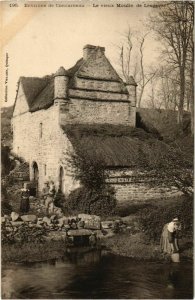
(89, 93)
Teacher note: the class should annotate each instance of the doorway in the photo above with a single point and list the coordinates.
(35, 177)
(61, 180)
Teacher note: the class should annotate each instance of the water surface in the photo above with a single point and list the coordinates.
(97, 275)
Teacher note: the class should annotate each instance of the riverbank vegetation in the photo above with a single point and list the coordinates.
(32, 252)
(138, 239)
(148, 219)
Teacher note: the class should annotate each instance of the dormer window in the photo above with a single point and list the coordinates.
(40, 130)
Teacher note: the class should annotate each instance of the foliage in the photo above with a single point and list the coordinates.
(59, 199)
(89, 171)
(102, 202)
(130, 208)
(172, 168)
(6, 134)
(168, 164)
(174, 24)
(152, 219)
(6, 207)
(22, 234)
(164, 122)
(6, 162)
(31, 252)
(173, 160)
(94, 196)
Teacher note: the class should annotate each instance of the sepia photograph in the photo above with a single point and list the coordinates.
(97, 149)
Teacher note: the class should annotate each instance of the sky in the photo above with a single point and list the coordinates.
(37, 41)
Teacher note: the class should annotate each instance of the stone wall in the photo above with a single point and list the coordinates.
(98, 85)
(98, 95)
(90, 111)
(47, 150)
(132, 186)
(138, 192)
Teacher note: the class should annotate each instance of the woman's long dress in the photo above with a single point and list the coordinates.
(24, 204)
(168, 238)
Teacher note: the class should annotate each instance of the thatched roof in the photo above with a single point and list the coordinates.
(39, 92)
(45, 98)
(115, 145)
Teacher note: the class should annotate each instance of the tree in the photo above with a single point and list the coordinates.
(144, 77)
(172, 167)
(94, 196)
(167, 90)
(6, 162)
(191, 63)
(132, 61)
(173, 24)
(125, 50)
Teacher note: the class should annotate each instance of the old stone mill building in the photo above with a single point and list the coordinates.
(89, 95)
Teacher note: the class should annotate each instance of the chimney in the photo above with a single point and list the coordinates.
(88, 50)
(60, 84)
(131, 87)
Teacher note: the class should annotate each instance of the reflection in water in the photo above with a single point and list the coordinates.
(94, 274)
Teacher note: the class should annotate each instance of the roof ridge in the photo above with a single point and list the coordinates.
(72, 68)
(43, 88)
(39, 91)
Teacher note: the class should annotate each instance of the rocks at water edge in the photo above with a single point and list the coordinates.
(14, 216)
(85, 217)
(107, 224)
(17, 223)
(80, 232)
(29, 218)
(91, 222)
(47, 221)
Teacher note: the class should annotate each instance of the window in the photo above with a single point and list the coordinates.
(40, 130)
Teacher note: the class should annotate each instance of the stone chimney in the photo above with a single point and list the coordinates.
(61, 84)
(131, 87)
(88, 50)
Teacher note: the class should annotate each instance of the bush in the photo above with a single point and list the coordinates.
(152, 219)
(22, 234)
(59, 199)
(101, 202)
(6, 208)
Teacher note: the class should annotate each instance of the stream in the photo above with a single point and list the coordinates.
(97, 274)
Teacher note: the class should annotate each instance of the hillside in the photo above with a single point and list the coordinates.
(164, 123)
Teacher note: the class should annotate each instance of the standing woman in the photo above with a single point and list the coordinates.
(168, 241)
(24, 203)
(49, 203)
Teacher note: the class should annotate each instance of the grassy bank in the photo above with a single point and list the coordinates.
(145, 218)
(130, 241)
(31, 252)
(138, 246)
